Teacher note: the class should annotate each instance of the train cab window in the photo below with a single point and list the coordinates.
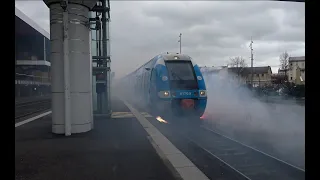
(180, 70)
(181, 75)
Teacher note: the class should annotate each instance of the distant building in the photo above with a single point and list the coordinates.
(279, 78)
(281, 71)
(212, 70)
(296, 72)
(242, 75)
(261, 75)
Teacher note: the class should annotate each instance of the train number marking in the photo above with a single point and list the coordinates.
(185, 93)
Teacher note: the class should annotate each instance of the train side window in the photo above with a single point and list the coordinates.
(145, 80)
(153, 79)
(154, 75)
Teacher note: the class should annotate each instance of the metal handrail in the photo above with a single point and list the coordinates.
(28, 77)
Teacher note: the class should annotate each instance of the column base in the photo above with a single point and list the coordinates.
(75, 128)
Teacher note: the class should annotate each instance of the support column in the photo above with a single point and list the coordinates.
(106, 53)
(71, 83)
(102, 71)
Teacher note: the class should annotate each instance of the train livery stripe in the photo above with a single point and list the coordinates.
(201, 82)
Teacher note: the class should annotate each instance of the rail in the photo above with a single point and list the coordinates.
(25, 109)
(251, 163)
(219, 156)
(24, 100)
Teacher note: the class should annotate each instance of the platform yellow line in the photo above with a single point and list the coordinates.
(117, 115)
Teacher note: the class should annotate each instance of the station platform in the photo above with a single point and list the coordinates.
(117, 148)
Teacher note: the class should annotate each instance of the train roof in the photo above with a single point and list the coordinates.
(172, 56)
(167, 57)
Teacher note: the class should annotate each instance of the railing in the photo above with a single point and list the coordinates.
(26, 79)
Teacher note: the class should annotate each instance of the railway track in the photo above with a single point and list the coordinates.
(233, 156)
(26, 109)
(249, 162)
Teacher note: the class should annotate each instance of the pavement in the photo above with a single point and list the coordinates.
(117, 148)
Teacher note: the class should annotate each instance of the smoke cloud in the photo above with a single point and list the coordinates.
(275, 128)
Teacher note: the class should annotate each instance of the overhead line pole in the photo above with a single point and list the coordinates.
(180, 41)
(251, 49)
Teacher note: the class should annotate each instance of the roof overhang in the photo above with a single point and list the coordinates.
(31, 23)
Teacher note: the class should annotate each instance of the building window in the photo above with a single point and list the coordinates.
(262, 75)
(290, 78)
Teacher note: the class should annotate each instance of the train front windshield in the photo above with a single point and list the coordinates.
(181, 75)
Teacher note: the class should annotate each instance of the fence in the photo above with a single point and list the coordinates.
(31, 85)
(32, 79)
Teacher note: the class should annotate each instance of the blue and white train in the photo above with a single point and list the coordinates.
(169, 82)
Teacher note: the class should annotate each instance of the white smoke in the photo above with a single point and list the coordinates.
(235, 112)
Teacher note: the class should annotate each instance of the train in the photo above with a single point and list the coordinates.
(169, 82)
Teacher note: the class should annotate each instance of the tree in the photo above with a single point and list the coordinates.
(237, 62)
(284, 62)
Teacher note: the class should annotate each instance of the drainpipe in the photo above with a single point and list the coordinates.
(66, 68)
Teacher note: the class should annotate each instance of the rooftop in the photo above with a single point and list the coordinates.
(297, 58)
(247, 70)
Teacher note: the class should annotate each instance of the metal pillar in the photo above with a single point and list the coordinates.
(102, 71)
(106, 45)
(44, 49)
(71, 83)
(180, 41)
(66, 69)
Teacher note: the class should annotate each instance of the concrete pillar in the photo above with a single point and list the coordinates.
(71, 83)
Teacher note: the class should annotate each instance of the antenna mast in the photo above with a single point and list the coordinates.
(180, 41)
(251, 62)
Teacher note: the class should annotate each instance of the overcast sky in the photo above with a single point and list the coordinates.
(212, 31)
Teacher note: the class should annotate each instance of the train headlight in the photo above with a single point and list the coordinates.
(166, 93)
(164, 78)
(202, 93)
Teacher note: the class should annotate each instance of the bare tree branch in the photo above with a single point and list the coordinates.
(284, 62)
(238, 62)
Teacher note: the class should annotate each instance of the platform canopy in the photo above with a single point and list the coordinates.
(31, 41)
